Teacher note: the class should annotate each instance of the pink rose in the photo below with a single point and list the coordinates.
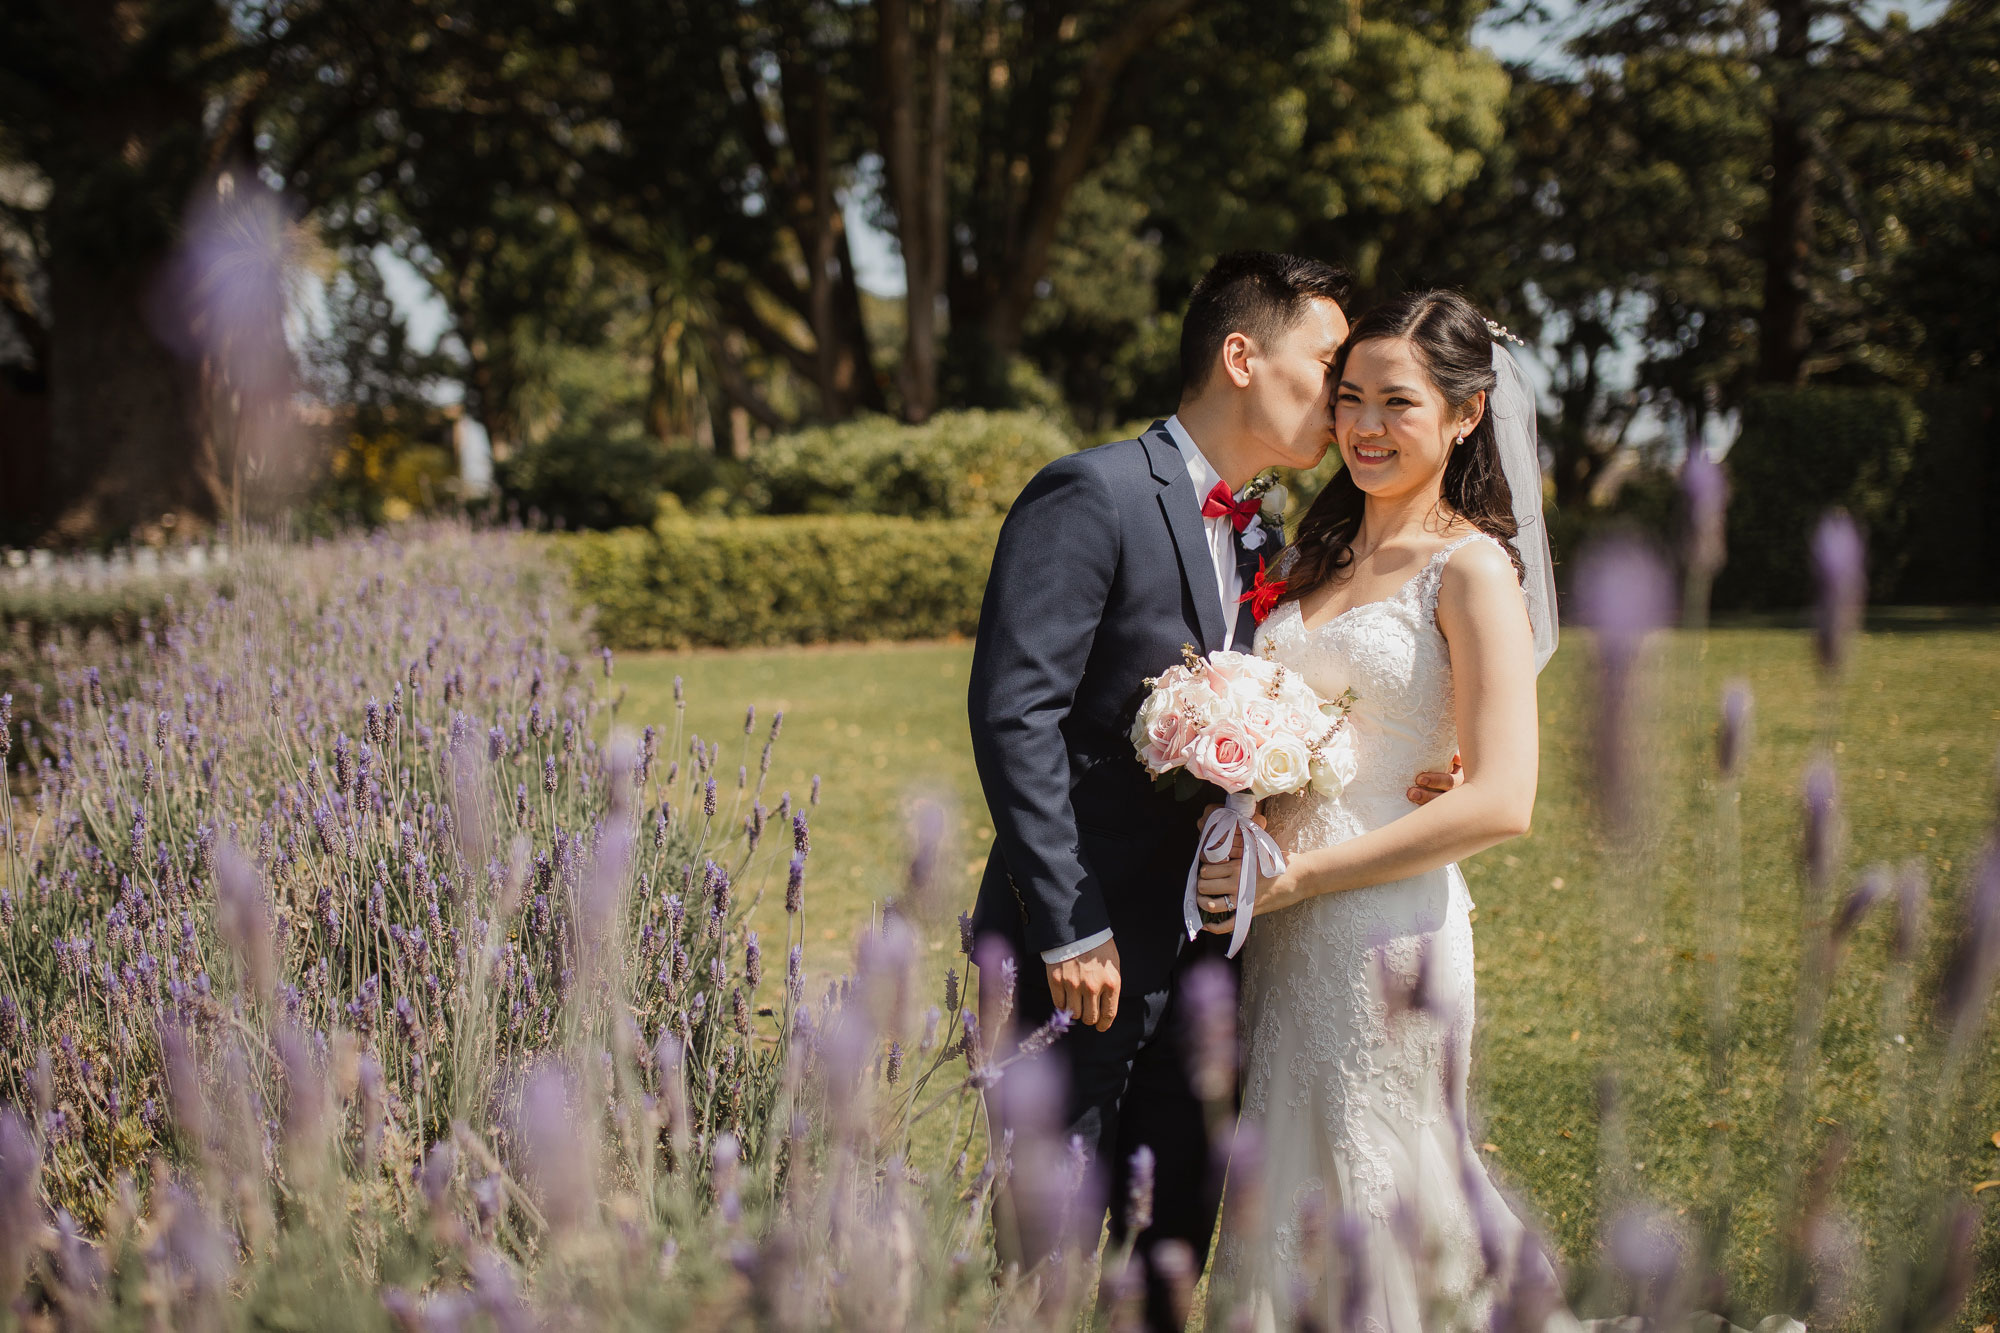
(1225, 753)
(1167, 739)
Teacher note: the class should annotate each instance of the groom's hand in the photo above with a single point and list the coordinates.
(1087, 985)
(1430, 786)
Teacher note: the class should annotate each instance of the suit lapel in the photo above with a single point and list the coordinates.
(1246, 569)
(1182, 510)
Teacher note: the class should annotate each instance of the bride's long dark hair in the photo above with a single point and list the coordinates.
(1453, 342)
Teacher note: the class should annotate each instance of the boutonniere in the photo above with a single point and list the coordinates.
(1264, 594)
(1270, 499)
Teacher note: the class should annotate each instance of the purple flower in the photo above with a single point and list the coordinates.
(1645, 1246)
(708, 799)
(927, 838)
(1623, 592)
(965, 941)
(795, 884)
(20, 1209)
(1873, 888)
(1209, 992)
(1969, 975)
(753, 961)
(1046, 1035)
(1840, 570)
(1173, 1263)
(801, 834)
(434, 1176)
(1139, 1191)
(1405, 995)
(555, 1159)
(1732, 736)
(243, 916)
(1705, 493)
(1822, 825)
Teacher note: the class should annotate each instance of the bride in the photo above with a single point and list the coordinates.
(1421, 579)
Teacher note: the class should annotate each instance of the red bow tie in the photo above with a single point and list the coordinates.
(1221, 501)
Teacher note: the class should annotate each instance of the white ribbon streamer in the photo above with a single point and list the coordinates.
(1260, 856)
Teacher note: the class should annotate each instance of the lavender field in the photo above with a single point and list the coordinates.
(374, 960)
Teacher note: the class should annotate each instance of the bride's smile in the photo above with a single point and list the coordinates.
(1395, 431)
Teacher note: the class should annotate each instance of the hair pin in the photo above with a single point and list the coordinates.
(1500, 333)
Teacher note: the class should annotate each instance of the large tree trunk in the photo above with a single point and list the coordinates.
(1027, 188)
(125, 422)
(1784, 336)
(917, 180)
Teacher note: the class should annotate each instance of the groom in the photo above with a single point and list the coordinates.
(1109, 562)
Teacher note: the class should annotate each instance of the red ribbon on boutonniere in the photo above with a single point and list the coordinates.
(1264, 594)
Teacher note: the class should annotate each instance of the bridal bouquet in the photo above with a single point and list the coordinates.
(1254, 729)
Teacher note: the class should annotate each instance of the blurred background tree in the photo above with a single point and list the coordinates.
(651, 232)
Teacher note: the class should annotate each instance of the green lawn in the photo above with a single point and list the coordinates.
(1559, 929)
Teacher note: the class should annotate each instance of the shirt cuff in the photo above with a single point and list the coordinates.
(1064, 952)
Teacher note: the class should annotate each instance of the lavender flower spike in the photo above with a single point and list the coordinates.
(1732, 736)
(1874, 887)
(1210, 992)
(1822, 824)
(1840, 569)
(1969, 975)
(1139, 1191)
(1705, 492)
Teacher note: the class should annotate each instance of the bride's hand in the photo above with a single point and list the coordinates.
(1215, 888)
(1216, 892)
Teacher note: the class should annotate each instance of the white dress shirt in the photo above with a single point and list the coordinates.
(1221, 532)
(1228, 588)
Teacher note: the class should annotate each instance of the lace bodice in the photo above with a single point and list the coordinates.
(1394, 657)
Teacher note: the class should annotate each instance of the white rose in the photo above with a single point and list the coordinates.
(1282, 766)
(1297, 694)
(1305, 723)
(1201, 703)
(1261, 716)
(1337, 764)
(1157, 703)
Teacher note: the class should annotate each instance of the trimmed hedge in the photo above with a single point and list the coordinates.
(743, 582)
(1800, 453)
(956, 465)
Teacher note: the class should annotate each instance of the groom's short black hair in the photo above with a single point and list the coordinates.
(1254, 292)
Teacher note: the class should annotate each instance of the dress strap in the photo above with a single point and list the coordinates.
(1431, 578)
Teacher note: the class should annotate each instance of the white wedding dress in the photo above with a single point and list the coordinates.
(1371, 1208)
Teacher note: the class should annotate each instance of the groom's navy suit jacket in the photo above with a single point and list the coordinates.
(1101, 575)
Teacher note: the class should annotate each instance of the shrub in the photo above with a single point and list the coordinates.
(355, 980)
(589, 479)
(956, 465)
(1950, 552)
(727, 583)
(1801, 452)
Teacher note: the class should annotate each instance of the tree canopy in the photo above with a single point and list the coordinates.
(1785, 192)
